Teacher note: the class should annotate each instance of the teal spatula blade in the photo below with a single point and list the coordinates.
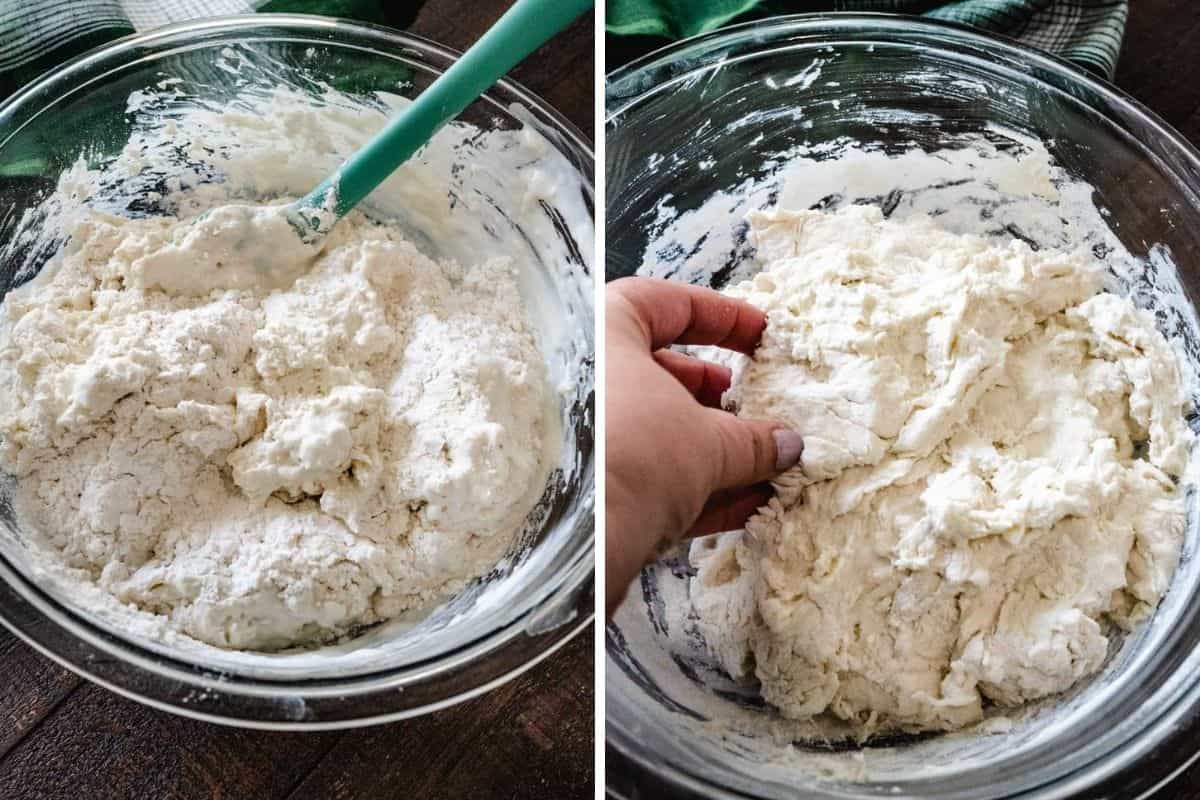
(525, 27)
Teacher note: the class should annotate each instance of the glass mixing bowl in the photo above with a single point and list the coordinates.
(540, 594)
(726, 111)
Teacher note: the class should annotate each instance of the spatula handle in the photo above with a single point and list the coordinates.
(526, 26)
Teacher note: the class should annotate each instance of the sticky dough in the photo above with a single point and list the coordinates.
(262, 459)
(991, 476)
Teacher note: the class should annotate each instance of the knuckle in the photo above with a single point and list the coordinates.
(739, 451)
(762, 452)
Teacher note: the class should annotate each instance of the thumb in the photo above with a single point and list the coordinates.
(751, 451)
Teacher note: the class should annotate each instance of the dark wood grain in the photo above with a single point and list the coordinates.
(31, 689)
(1158, 58)
(532, 738)
(98, 744)
(561, 72)
(511, 743)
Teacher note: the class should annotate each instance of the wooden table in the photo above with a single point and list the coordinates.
(1157, 66)
(62, 737)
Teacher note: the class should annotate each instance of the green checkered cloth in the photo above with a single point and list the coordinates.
(1088, 32)
(38, 35)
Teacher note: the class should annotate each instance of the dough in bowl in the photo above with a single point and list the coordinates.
(261, 464)
(994, 472)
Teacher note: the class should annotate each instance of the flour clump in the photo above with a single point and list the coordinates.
(272, 463)
(994, 471)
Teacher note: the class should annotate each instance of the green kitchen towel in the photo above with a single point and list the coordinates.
(37, 35)
(1088, 32)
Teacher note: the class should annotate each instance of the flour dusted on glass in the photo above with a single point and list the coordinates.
(259, 460)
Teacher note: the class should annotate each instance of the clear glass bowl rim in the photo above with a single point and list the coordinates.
(632, 83)
(560, 611)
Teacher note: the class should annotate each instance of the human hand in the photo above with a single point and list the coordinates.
(676, 464)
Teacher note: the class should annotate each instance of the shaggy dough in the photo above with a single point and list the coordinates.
(268, 459)
(992, 469)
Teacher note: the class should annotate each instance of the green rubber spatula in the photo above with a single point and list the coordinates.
(526, 26)
(244, 246)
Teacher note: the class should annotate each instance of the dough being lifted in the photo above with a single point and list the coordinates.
(992, 471)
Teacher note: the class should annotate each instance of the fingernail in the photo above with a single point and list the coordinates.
(789, 446)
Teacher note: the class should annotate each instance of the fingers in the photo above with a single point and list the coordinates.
(706, 381)
(750, 450)
(728, 510)
(666, 313)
